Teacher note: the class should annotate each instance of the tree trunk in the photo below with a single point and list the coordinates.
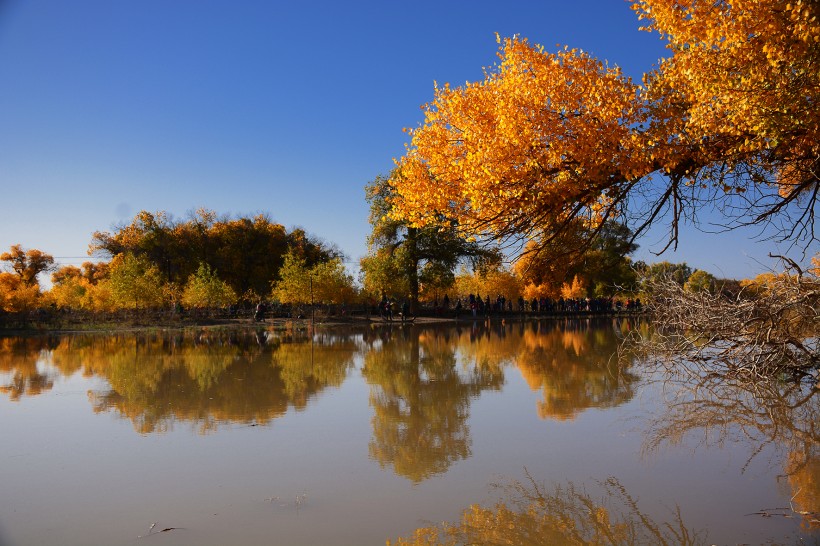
(413, 267)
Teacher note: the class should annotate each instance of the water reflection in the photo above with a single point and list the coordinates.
(204, 378)
(783, 415)
(532, 513)
(573, 366)
(421, 384)
(421, 380)
(19, 359)
(420, 397)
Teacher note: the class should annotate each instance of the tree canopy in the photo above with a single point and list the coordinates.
(729, 119)
(246, 252)
(403, 259)
(27, 264)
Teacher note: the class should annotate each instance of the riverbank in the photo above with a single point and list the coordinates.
(52, 325)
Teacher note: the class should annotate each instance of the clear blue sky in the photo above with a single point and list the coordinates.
(110, 107)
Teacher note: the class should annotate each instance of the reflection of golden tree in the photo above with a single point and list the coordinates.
(804, 480)
(307, 368)
(206, 378)
(530, 514)
(490, 345)
(777, 414)
(572, 364)
(19, 358)
(420, 400)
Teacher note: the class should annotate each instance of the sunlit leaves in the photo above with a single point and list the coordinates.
(205, 289)
(27, 264)
(539, 130)
(135, 283)
(729, 117)
(746, 74)
(16, 296)
(700, 281)
(491, 281)
(326, 282)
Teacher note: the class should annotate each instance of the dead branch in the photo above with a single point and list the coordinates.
(763, 331)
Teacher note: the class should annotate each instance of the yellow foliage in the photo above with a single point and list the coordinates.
(804, 480)
(527, 138)
(546, 138)
(566, 515)
(17, 296)
(493, 282)
(99, 297)
(27, 264)
(537, 291)
(205, 289)
(574, 290)
(746, 72)
(70, 293)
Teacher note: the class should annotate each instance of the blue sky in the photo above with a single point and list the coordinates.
(109, 107)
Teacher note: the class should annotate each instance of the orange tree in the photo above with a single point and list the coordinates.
(603, 268)
(27, 264)
(547, 139)
(19, 291)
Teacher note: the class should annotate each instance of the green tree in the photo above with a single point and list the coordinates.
(677, 272)
(606, 268)
(700, 281)
(400, 254)
(135, 283)
(326, 282)
(332, 283)
(293, 285)
(205, 289)
(435, 278)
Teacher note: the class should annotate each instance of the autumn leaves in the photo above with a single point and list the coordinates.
(546, 138)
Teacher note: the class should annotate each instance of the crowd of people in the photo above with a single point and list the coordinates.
(476, 306)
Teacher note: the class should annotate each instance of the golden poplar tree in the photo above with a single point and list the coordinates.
(547, 139)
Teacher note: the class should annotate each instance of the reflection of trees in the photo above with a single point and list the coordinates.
(779, 414)
(307, 368)
(573, 366)
(425, 380)
(19, 358)
(804, 481)
(531, 514)
(206, 378)
(421, 400)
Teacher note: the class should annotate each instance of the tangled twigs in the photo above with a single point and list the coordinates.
(769, 328)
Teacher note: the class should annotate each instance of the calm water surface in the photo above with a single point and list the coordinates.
(355, 437)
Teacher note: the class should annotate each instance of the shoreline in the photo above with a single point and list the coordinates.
(285, 324)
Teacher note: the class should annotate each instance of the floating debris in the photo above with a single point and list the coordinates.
(152, 532)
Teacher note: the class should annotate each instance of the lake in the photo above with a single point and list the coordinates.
(358, 436)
